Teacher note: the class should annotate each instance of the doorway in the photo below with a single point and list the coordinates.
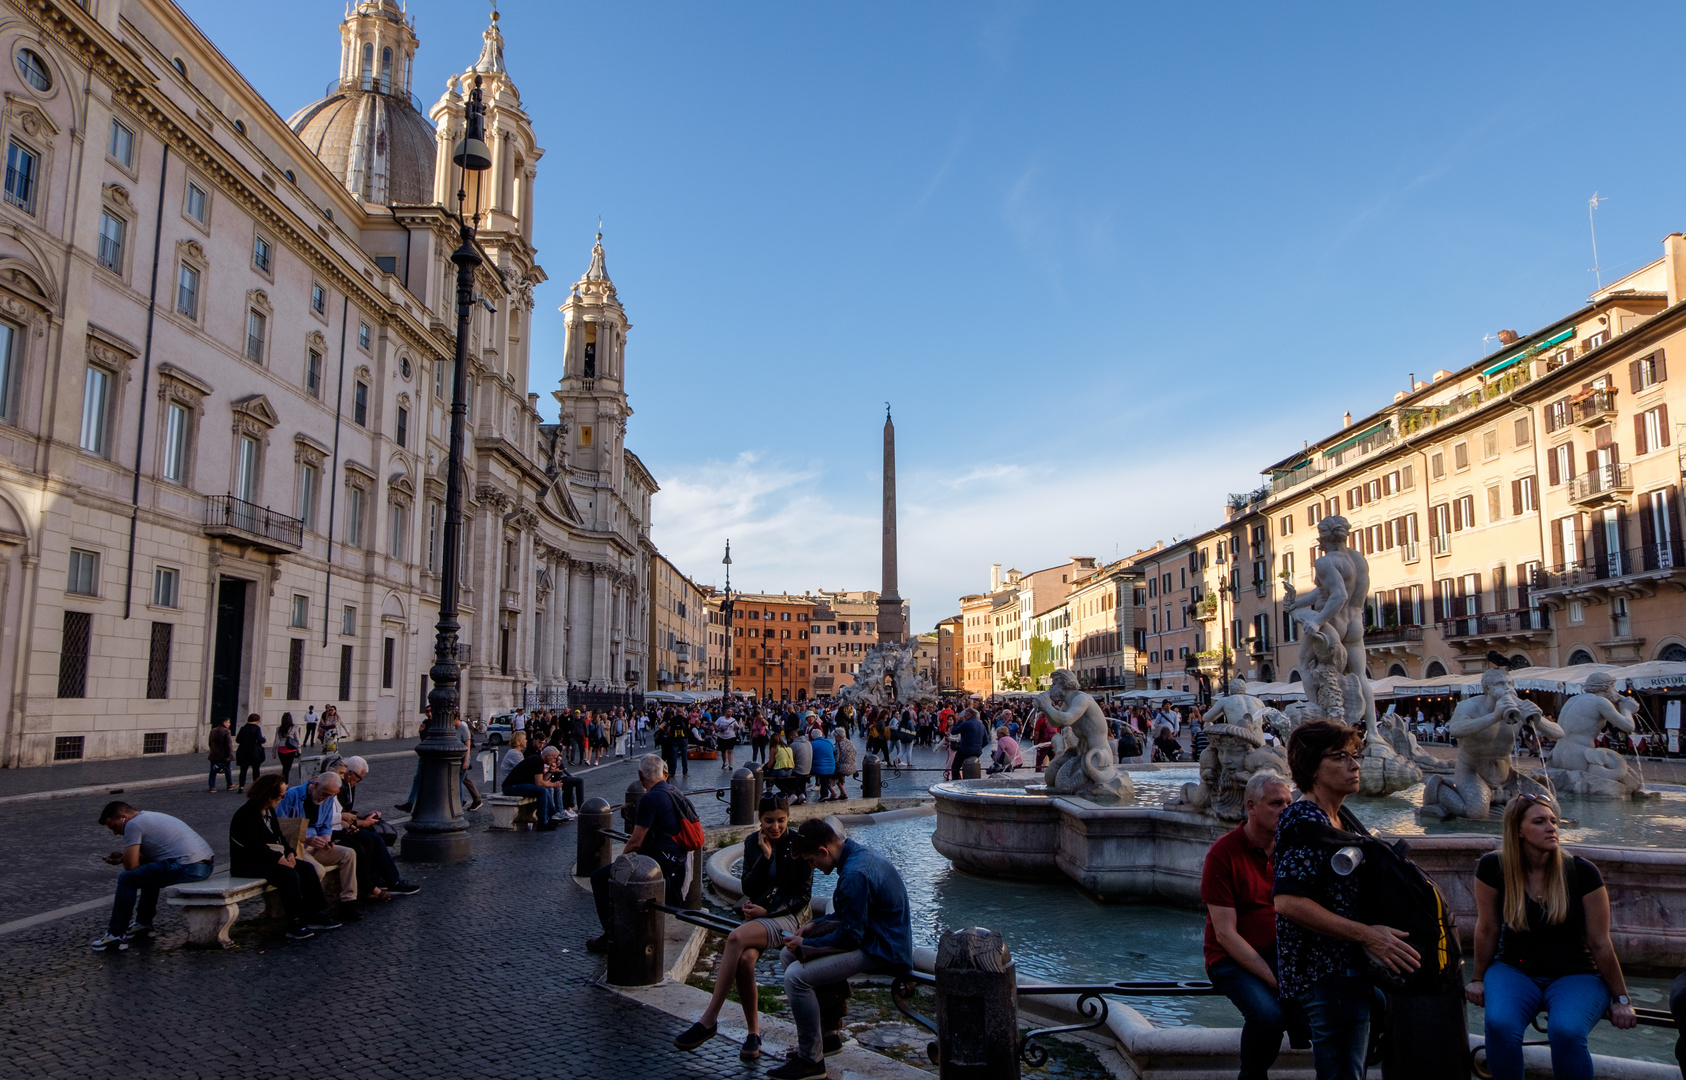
(227, 697)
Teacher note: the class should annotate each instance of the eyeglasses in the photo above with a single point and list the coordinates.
(1345, 757)
(1539, 800)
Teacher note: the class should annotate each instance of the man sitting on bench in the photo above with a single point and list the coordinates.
(318, 803)
(158, 851)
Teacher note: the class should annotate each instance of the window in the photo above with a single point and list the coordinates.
(387, 264)
(248, 475)
(1560, 464)
(187, 291)
(1557, 415)
(389, 662)
(354, 516)
(175, 443)
(198, 204)
(166, 587)
(301, 613)
(260, 254)
(1489, 445)
(404, 368)
(360, 405)
(1523, 498)
(33, 70)
(309, 480)
(434, 516)
(1523, 431)
(1463, 513)
(112, 232)
(73, 659)
(1288, 564)
(402, 435)
(121, 145)
(1460, 456)
(257, 324)
(1495, 504)
(155, 742)
(363, 335)
(399, 527)
(96, 411)
(67, 747)
(8, 348)
(1650, 429)
(345, 672)
(348, 621)
(1647, 372)
(1437, 465)
(1407, 477)
(319, 298)
(313, 373)
(21, 167)
(158, 661)
(84, 573)
(295, 669)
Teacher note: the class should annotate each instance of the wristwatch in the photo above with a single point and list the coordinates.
(1621, 999)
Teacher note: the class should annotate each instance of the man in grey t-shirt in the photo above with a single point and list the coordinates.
(158, 851)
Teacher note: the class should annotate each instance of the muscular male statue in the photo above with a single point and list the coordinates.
(1578, 767)
(1333, 618)
(1086, 766)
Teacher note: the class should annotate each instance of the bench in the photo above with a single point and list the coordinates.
(210, 907)
(511, 812)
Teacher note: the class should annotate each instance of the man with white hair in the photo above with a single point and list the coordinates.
(540, 777)
(1236, 885)
(377, 872)
(655, 833)
(318, 803)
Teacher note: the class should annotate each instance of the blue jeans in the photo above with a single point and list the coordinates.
(1576, 1002)
(550, 799)
(145, 880)
(1337, 1010)
(227, 770)
(1264, 1016)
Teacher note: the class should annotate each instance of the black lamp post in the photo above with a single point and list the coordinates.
(438, 832)
(726, 653)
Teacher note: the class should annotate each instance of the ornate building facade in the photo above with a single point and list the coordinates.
(226, 342)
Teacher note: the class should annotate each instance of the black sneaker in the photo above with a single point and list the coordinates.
(403, 888)
(138, 932)
(833, 1042)
(473, 806)
(599, 944)
(695, 1036)
(346, 913)
(404, 806)
(300, 933)
(797, 1067)
(751, 1048)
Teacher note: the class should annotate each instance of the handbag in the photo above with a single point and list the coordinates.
(387, 831)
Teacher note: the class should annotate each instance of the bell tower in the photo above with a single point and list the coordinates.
(377, 48)
(593, 388)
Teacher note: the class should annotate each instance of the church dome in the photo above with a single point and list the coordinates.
(378, 144)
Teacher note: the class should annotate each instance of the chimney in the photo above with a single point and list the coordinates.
(1507, 337)
(1346, 419)
(994, 577)
(1674, 267)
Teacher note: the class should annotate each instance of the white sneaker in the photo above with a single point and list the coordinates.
(108, 942)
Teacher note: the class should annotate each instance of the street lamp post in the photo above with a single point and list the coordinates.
(726, 655)
(438, 832)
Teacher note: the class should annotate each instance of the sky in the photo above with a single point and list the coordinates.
(1105, 261)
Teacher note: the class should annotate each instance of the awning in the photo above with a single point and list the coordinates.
(1531, 350)
(1346, 444)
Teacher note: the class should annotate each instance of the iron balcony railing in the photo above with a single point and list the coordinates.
(1595, 408)
(1393, 635)
(1645, 559)
(1496, 622)
(1602, 484)
(373, 84)
(227, 512)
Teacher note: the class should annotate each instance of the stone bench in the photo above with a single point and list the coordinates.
(511, 812)
(210, 907)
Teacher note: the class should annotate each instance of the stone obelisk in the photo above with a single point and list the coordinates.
(891, 626)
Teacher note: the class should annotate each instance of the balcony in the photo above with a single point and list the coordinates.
(1598, 407)
(1634, 566)
(1441, 545)
(683, 653)
(1605, 484)
(1411, 551)
(1518, 624)
(824, 682)
(1258, 646)
(1392, 636)
(229, 518)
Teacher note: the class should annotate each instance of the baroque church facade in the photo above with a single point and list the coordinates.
(226, 341)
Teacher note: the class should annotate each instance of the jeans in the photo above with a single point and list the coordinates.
(572, 792)
(1264, 1014)
(375, 867)
(677, 756)
(227, 770)
(144, 881)
(800, 979)
(1337, 1010)
(287, 763)
(549, 799)
(1576, 1003)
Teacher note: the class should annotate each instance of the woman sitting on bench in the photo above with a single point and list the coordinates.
(777, 886)
(256, 849)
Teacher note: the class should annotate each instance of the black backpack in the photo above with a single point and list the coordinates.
(1394, 891)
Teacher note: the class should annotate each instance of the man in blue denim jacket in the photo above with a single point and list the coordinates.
(869, 929)
(318, 803)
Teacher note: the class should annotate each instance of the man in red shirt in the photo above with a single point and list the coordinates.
(1235, 885)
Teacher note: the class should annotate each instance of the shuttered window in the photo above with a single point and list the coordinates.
(73, 654)
(158, 661)
(295, 669)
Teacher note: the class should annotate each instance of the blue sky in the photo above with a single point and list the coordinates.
(1107, 260)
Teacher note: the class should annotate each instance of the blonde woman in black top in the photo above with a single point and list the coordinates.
(1542, 941)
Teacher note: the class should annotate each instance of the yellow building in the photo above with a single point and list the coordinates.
(679, 630)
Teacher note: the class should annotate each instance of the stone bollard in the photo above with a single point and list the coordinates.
(693, 892)
(970, 769)
(629, 805)
(592, 847)
(743, 797)
(760, 780)
(637, 953)
(977, 1007)
(872, 778)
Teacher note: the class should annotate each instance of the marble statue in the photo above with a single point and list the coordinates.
(896, 663)
(1236, 749)
(1332, 655)
(1484, 779)
(1576, 766)
(1397, 732)
(1087, 765)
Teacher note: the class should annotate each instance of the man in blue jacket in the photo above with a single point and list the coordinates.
(868, 930)
(969, 738)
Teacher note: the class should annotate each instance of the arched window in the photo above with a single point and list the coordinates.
(368, 63)
(1397, 671)
(1675, 653)
(1294, 676)
(386, 70)
(1518, 662)
(1580, 656)
(1267, 673)
(33, 69)
(1434, 670)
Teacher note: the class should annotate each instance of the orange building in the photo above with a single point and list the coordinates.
(770, 645)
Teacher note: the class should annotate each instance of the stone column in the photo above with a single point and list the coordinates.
(600, 598)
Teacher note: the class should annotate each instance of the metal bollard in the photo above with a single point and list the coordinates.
(970, 770)
(872, 777)
(629, 804)
(743, 797)
(977, 1007)
(760, 780)
(637, 951)
(592, 847)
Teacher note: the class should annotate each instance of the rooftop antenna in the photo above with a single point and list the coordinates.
(1592, 227)
(1485, 338)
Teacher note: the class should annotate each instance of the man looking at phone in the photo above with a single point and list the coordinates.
(158, 851)
(318, 803)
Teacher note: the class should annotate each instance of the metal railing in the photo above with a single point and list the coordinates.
(1601, 483)
(1645, 559)
(1392, 635)
(374, 84)
(230, 512)
(1495, 622)
(1594, 408)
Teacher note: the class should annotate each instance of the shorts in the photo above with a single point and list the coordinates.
(725, 744)
(778, 928)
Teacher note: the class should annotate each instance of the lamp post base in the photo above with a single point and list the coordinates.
(438, 833)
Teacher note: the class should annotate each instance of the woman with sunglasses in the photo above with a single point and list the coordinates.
(777, 887)
(1320, 943)
(1542, 940)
